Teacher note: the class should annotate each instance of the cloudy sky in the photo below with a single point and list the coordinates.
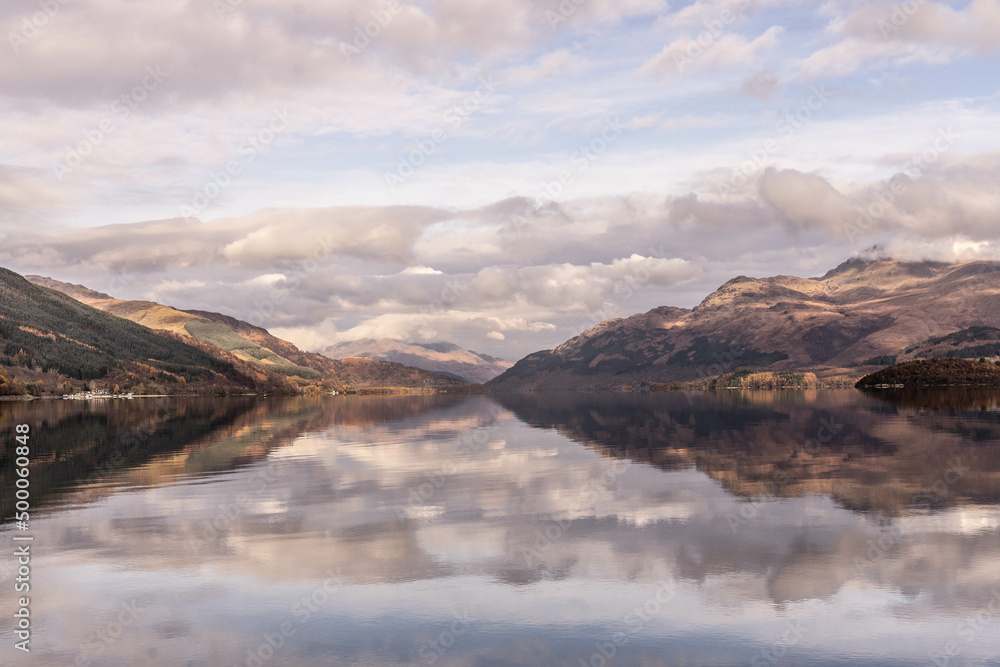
(501, 174)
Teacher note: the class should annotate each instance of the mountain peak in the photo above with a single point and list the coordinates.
(885, 268)
(854, 264)
(438, 357)
(78, 292)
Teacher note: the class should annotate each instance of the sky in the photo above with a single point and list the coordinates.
(502, 174)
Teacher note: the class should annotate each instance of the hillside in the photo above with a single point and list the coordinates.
(972, 343)
(935, 373)
(49, 338)
(274, 364)
(847, 322)
(217, 330)
(446, 358)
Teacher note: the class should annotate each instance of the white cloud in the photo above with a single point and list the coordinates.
(551, 64)
(705, 13)
(689, 54)
(420, 271)
(885, 34)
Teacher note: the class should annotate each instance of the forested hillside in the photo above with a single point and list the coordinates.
(47, 332)
(176, 351)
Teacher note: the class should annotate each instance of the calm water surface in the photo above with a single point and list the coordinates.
(816, 528)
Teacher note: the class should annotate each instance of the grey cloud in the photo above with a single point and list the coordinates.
(761, 85)
(569, 287)
(25, 196)
(537, 278)
(92, 51)
(805, 200)
(263, 239)
(382, 233)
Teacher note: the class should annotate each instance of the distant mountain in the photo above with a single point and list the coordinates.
(846, 322)
(260, 355)
(446, 358)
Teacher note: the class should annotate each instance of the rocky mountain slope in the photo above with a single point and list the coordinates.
(253, 351)
(446, 358)
(843, 323)
(972, 343)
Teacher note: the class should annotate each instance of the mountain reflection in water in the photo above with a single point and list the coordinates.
(788, 528)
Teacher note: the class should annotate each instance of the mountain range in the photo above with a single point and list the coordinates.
(58, 337)
(855, 319)
(445, 358)
(858, 317)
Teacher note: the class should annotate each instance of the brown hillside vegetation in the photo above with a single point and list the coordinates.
(249, 359)
(852, 320)
(935, 373)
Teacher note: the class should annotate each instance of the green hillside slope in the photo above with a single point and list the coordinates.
(48, 332)
(272, 365)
